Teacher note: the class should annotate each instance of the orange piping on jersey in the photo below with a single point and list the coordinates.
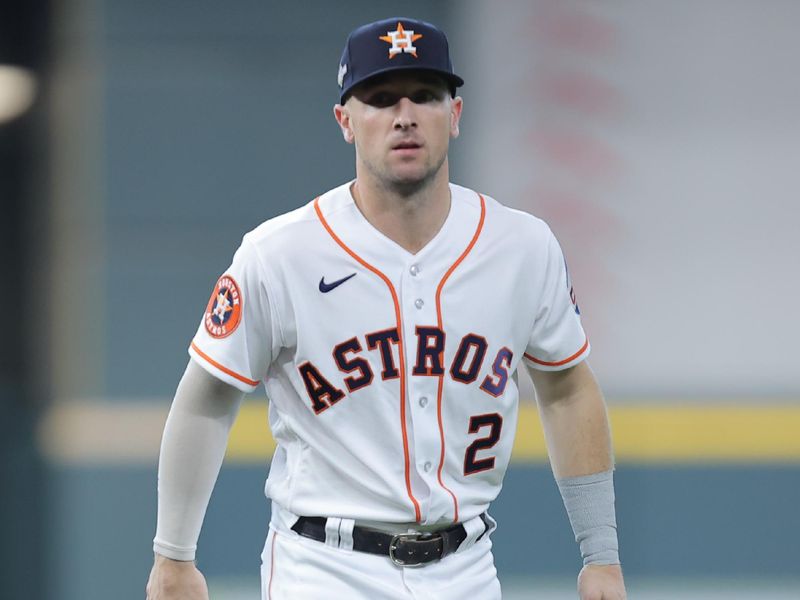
(222, 368)
(561, 362)
(365, 264)
(441, 377)
(271, 567)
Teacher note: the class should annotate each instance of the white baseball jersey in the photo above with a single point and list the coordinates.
(391, 376)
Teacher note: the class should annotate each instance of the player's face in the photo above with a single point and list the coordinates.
(401, 126)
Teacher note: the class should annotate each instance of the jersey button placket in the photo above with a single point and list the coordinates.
(418, 297)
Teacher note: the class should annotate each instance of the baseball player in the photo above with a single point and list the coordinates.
(387, 319)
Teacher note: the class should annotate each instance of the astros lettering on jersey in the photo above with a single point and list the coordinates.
(391, 376)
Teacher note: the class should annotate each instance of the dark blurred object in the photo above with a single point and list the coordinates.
(24, 32)
(24, 42)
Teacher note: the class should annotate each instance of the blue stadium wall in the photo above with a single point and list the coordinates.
(674, 521)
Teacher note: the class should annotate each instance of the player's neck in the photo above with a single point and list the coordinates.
(410, 220)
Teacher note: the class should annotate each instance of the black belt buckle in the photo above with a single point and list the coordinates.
(423, 557)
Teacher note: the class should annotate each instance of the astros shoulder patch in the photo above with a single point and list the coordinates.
(224, 311)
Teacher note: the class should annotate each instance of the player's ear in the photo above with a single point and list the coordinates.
(456, 105)
(343, 119)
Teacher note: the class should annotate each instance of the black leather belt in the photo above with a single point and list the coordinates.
(404, 549)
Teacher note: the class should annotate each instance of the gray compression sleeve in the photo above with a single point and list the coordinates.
(589, 501)
(192, 449)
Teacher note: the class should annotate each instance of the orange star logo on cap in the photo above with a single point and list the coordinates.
(401, 41)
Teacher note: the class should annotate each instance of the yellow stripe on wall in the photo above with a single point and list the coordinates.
(643, 433)
(250, 438)
(129, 433)
(706, 434)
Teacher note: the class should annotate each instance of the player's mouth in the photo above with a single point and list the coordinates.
(406, 147)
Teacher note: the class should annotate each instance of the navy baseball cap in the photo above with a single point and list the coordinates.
(394, 44)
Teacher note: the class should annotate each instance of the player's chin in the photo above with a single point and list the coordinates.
(409, 181)
(410, 171)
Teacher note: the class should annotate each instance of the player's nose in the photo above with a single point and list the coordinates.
(404, 117)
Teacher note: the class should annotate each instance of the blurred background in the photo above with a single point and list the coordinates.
(139, 140)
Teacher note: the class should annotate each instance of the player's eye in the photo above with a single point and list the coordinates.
(382, 99)
(424, 96)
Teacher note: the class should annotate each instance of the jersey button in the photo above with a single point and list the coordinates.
(419, 303)
(413, 269)
(427, 466)
(423, 402)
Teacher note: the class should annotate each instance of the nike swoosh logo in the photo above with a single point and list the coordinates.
(327, 287)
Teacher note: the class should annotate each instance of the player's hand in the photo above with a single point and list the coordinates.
(175, 580)
(601, 582)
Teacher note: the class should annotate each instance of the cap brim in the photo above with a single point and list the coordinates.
(451, 78)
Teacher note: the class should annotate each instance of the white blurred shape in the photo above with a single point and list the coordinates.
(17, 91)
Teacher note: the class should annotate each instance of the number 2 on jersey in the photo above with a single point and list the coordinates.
(495, 423)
